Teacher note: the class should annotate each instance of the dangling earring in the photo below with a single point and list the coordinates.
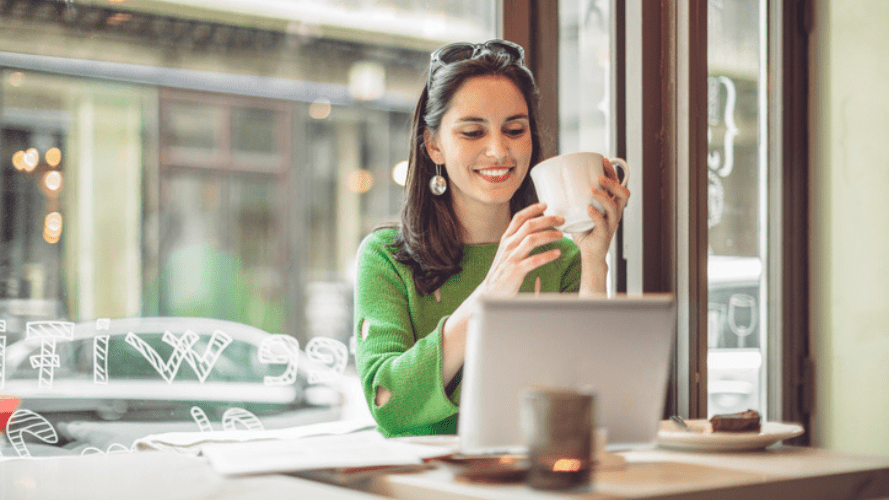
(438, 184)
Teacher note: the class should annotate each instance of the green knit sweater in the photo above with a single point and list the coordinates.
(399, 331)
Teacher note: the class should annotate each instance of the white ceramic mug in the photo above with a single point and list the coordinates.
(564, 183)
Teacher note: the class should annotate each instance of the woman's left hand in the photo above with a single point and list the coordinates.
(613, 197)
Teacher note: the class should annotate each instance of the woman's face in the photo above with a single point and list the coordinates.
(484, 142)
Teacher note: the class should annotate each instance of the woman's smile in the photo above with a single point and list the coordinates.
(495, 175)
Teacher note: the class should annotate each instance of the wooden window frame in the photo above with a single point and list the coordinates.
(660, 77)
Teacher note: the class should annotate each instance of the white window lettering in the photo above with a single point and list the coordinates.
(231, 419)
(117, 448)
(100, 359)
(113, 448)
(182, 351)
(234, 416)
(330, 352)
(203, 364)
(27, 422)
(181, 346)
(720, 165)
(280, 349)
(197, 413)
(48, 332)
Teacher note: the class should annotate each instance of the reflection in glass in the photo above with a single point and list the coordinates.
(219, 190)
(586, 120)
(585, 76)
(742, 315)
(253, 130)
(736, 201)
(192, 126)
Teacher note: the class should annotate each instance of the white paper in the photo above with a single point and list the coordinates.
(361, 449)
(191, 443)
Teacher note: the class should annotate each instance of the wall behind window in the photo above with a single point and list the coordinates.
(850, 217)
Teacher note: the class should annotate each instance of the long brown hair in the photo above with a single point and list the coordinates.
(429, 232)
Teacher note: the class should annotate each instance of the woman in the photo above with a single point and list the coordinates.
(470, 227)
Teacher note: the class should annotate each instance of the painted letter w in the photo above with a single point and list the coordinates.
(183, 350)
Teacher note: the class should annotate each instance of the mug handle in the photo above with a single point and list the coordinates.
(623, 165)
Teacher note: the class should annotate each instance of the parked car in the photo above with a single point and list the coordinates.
(157, 369)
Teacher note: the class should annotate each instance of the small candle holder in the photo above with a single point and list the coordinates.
(558, 425)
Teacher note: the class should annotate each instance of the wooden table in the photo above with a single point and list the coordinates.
(774, 473)
(151, 475)
(781, 472)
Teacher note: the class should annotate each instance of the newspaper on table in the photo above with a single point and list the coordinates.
(191, 443)
(353, 451)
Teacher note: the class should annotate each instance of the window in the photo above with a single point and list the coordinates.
(183, 199)
(723, 218)
(738, 206)
(142, 168)
(587, 119)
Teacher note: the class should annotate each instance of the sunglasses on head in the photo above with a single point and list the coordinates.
(462, 51)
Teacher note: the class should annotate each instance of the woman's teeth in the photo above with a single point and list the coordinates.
(499, 172)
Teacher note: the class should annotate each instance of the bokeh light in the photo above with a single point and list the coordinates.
(31, 158)
(52, 227)
(53, 180)
(53, 157)
(367, 80)
(53, 223)
(360, 181)
(399, 173)
(18, 160)
(16, 79)
(320, 109)
(118, 18)
(52, 240)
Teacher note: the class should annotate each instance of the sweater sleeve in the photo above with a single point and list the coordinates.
(390, 354)
(570, 281)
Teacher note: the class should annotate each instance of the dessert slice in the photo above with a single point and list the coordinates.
(745, 421)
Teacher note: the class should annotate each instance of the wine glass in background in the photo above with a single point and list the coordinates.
(742, 307)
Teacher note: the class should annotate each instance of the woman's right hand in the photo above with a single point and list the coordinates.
(529, 229)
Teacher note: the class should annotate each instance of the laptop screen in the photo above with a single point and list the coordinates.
(620, 348)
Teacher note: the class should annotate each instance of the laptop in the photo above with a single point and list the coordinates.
(620, 348)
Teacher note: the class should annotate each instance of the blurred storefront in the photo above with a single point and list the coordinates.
(216, 159)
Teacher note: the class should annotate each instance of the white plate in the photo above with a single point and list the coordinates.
(702, 438)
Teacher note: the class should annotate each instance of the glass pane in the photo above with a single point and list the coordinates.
(197, 267)
(253, 130)
(258, 137)
(30, 251)
(737, 212)
(585, 108)
(192, 132)
(257, 222)
(585, 114)
(211, 182)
